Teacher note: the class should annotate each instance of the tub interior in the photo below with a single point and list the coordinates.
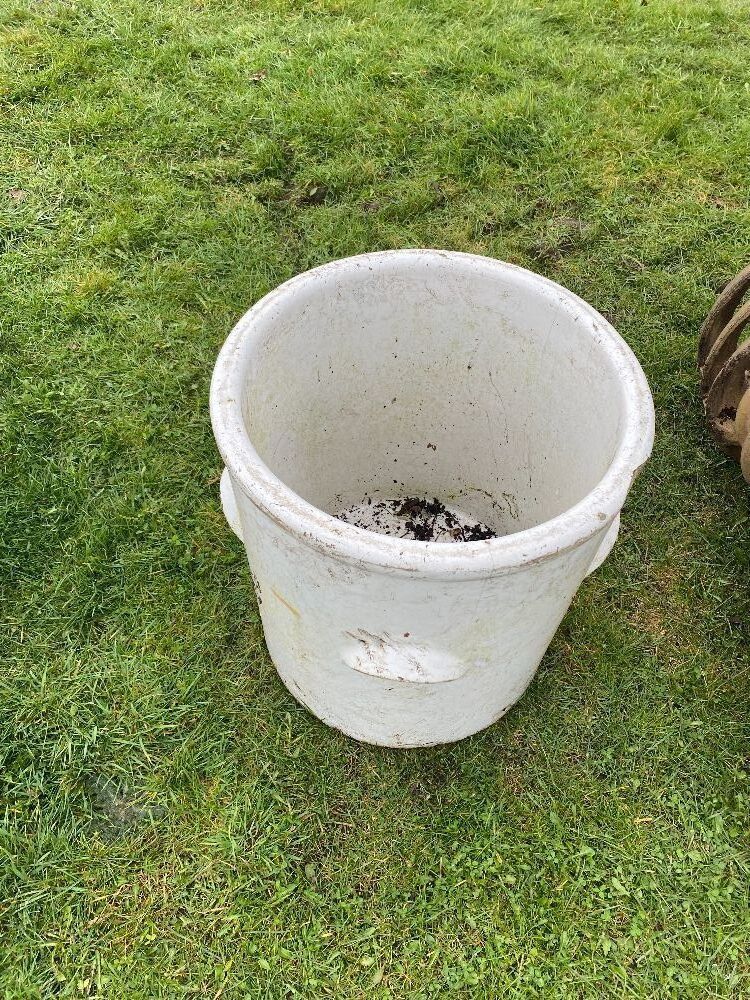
(421, 379)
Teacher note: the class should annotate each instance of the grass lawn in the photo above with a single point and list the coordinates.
(173, 822)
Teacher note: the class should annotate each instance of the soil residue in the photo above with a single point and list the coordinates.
(419, 519)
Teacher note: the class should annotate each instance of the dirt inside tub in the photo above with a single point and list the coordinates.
(421, 519)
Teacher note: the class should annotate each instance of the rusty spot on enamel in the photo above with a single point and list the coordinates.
(286, 603)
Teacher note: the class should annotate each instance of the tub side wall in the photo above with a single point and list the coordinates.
(398, 660)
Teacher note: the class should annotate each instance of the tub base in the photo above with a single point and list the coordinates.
(419, 518)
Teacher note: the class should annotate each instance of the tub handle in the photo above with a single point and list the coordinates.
(229, 504)
(607, 544)
(399, 660)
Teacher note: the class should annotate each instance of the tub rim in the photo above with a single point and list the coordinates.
(318, 529)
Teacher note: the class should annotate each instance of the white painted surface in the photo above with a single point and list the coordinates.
(432, 374)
